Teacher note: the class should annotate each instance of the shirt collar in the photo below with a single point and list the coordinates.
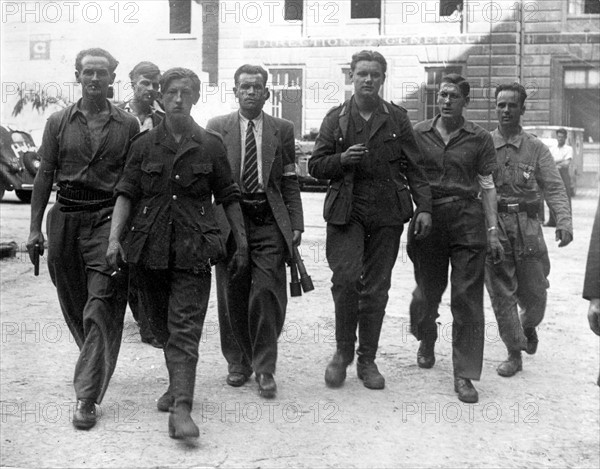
(114, 112)
(467, 126)
(500, 141)
(162, 133)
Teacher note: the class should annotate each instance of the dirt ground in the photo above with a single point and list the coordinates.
(546, 416)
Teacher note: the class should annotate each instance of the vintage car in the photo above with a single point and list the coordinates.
(19, 162)
(303, 153)
(547, 134)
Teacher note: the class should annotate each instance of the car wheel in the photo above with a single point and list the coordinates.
(24, 196)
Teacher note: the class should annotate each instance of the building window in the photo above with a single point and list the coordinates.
(584, 7)
(286, 95)
(582, 101)
(365, 9)
(348, 87)
(294, 10)
(448, 7)
(432, 85)
(180, 16)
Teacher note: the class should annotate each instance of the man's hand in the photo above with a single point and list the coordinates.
(564, 237)
(36, 238)
(296, 238)
(353, 154)
(495, 247)
(115, 256)
(240, 261)
(594, 315)
(422, 225)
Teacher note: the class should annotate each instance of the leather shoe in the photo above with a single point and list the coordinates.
(236, 379)
(335, 373)
(85, 414)
(181, 425)
(369, 374)
(165, 402)
(532, 340)
(426, 354)
(511, 366)
(466, 391)
(152, 341)
(267, 387)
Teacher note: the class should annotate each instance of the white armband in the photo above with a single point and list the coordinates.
(486, 182)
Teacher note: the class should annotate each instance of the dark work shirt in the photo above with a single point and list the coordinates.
(67, 148)
(170, 185)
(452, 169)
(526, 168)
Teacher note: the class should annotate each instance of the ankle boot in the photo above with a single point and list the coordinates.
(511, 365)
(368, 372)
(181, 424)
(426, 353)
(335, 373)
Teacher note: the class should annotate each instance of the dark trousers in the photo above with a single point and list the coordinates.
(175, 302)
(92, 301)
(459, 239)
(521, 280)
(135, 303)
(255, 301)
(361, 256)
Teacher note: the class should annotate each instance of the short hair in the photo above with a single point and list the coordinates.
(147, 69)
(251, 70)
(459, 81)
(96, 52)
(516, 87)
(562, 131)
(179, 73)
(369, 56)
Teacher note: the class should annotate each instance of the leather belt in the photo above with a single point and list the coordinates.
(530, 208)
(256, 207)
(447, 200)
(83, 195)
(69, 205)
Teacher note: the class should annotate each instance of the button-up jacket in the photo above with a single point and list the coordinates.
(526, 168)
(392, 164)
(170, 185)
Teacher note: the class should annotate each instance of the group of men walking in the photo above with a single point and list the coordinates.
(155, 210)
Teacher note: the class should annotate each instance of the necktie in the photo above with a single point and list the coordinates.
(250, 176)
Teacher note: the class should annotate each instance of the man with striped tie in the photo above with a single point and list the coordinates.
(252, 306)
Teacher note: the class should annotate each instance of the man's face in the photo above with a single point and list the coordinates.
(179, 97)
(508, 108)
(145, 88)
(367, 78)
(94, 77)
(561, 139)
(451, 102)
(251, 93)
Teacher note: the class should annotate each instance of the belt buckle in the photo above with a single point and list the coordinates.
(512, 208)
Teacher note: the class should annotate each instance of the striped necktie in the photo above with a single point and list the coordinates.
(250, 176)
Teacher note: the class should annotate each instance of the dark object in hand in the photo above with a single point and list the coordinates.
(305, 279)
(36, 260)
(295, 288)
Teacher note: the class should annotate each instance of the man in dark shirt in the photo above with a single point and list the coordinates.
(172, 172)
(367, 149)
(459, 159)
(84, 147)
(525, 170)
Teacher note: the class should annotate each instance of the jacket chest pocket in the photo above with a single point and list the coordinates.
(152, 180)
(519, 174)
(194, 179)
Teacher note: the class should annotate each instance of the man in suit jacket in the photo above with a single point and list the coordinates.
(261, 153)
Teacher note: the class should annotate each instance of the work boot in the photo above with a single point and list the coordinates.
(165, 401)
(532, 340)
(511, 366)
(181, 424)
(369, 374)
(335, 373)
(426, 355)
(466, 391)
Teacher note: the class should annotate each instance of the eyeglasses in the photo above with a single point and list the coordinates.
(451, 96)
